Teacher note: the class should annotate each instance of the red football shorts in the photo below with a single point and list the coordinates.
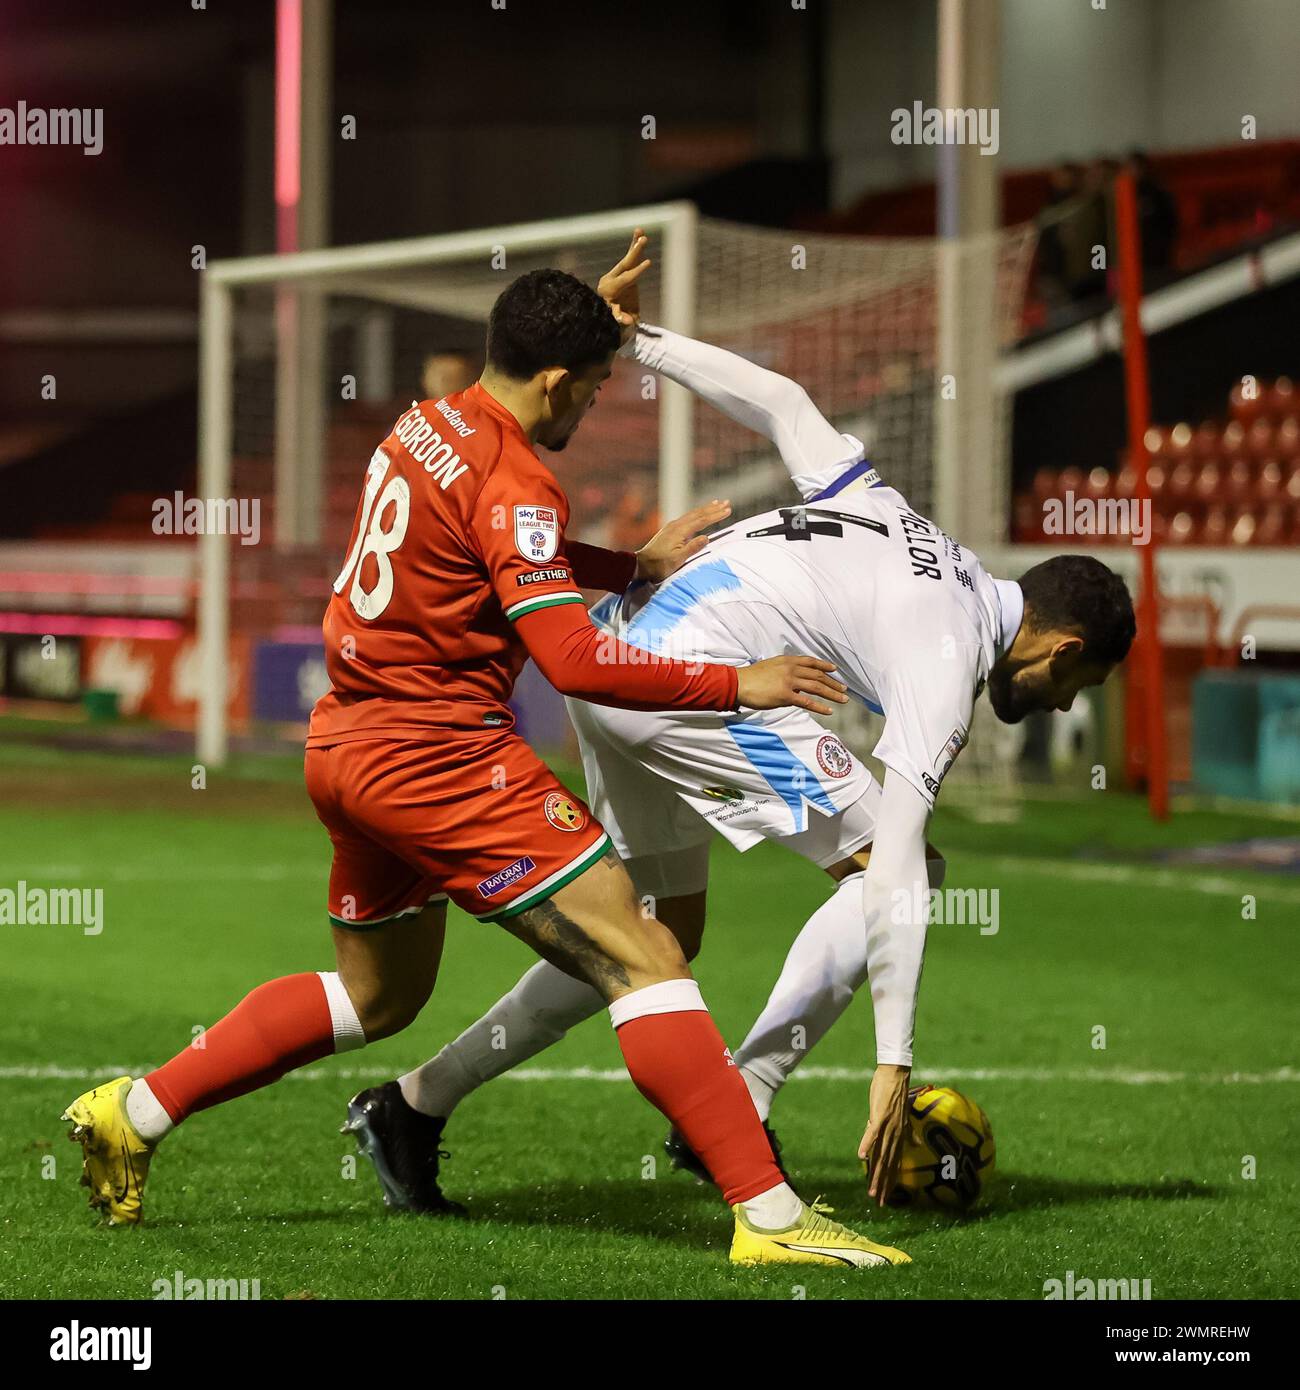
(475, 817)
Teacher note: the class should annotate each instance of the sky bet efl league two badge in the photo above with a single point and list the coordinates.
(537, 533)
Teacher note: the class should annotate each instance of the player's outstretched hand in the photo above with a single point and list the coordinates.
(789, 680)
(618, 286)
(672, 545)
(882, 1145)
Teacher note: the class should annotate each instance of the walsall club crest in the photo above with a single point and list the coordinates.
(563, 812)
(537, 533)
(832, 757)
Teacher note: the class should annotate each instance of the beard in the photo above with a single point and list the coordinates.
(1013, 697)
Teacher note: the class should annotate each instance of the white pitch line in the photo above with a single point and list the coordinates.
(169, 873)
(858, 1075)
(1264, 885)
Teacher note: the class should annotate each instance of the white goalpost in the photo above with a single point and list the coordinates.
(856, 321)
(347, 269)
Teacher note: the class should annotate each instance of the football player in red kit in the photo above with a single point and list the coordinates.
(458, 570)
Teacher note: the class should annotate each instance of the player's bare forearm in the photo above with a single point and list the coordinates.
(881, 1148)
(618, 286)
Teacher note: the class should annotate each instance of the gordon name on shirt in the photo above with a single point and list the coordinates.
(426, 446)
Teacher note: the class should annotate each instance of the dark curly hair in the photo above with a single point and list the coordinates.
(548, 318)
(1075, 593)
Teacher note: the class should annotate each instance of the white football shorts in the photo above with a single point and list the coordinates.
(663, 782)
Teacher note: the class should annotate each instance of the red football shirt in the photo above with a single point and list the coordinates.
(460, 533)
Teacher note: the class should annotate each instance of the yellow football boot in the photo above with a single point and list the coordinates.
(116, 1160)
(814, 1240)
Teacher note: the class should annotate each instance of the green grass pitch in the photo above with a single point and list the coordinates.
(1124, 1163)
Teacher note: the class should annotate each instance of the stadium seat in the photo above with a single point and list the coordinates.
(1156, 439)
(1246, 409)
(1269, 482)
(1242, 527)
(1126, 480)
(1070, 480)
(1181, 529)
(1181, 480)
(1280, 399)
(1206, 441)
(1209, 485)
(1259, 440)
(1286, 440)
(1214, 529)
(1275, 526)
(1179, 443)
(1099, 482)
(1239, 480)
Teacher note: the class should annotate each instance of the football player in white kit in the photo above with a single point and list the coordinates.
(916, 630)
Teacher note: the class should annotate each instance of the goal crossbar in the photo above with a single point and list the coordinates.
(448, 246)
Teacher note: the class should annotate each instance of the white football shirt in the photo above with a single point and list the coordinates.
(910, 618)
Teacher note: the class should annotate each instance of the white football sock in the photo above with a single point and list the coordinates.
(825, 966)
(777, 1209)
(761, 1091)
(540, 1009)
(149, 1120)
(348, 1032)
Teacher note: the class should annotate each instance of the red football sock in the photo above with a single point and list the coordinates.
(281, 1025)
(682, 1067)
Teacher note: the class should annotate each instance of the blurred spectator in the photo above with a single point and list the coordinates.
(1071, 226)
(1063, 185)
(447, 371)
(1157, 218)
(1079, 216)
(1093, 228)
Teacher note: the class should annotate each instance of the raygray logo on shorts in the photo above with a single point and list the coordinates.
(503, 878)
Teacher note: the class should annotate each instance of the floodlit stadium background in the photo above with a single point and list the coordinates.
(807, 238)
(294, 224)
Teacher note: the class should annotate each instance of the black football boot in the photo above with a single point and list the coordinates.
(404, 1146)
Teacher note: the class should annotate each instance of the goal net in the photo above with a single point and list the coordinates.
(307, 360)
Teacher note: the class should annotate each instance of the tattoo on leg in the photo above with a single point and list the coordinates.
(553, 930)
